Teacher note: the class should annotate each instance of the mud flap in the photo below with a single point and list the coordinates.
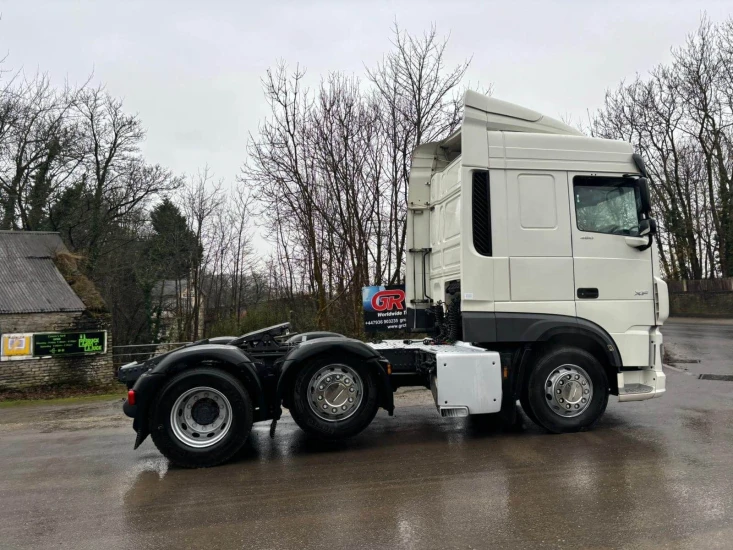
(142, 435)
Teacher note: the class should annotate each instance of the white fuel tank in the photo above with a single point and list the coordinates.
(468, 380)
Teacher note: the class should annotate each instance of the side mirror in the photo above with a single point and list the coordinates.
(646, 203)
(644, 228)
(647, 228)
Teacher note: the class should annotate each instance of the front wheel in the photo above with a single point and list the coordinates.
(201, 418)
(568, 390)
(334, 398)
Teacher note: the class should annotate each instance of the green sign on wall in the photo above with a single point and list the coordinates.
(69, 343)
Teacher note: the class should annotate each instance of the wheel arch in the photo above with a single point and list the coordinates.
(554, 331)
(227, 358)
(521, 329)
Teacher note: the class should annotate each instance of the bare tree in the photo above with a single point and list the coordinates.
(681, 119)
(348, 147)
(282, 171)
(37, 148)
(418, 94)
(329, 171)
(116, 181)
(201, 199)
(238, 216)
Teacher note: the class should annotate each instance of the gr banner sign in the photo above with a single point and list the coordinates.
(51, 344)
(384, 308)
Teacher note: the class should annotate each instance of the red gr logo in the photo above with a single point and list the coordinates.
(388, 300)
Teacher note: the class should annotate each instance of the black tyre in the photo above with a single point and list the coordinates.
(568, 390)
(201, 418)
(334, 398)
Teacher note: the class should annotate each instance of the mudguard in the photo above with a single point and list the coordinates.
(228, 358)
(339, 346)
(595, 333)
(489, 327)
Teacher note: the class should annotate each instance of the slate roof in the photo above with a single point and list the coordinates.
(171, 287)
(29, 280)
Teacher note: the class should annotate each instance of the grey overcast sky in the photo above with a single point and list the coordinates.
(192, 69)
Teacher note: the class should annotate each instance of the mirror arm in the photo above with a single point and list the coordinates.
(648, 244)
(652, 225)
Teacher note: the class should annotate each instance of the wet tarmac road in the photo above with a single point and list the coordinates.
(653, 474)
(700, 346)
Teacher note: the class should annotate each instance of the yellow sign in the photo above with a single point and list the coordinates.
(16, 345)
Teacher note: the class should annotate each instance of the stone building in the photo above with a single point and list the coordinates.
(54, 325)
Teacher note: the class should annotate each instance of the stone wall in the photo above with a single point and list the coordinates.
(701, 303)
(83, 370)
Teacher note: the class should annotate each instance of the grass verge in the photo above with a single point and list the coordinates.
(60, 396)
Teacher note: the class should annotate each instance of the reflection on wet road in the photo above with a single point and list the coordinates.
(651, 474)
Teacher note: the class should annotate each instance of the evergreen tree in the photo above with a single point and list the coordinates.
(173, 248)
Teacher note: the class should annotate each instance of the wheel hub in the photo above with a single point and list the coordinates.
(335, 392)
(201, 417)
(205, 411)
(568, 390)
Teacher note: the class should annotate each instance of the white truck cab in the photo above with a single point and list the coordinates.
(542, 235)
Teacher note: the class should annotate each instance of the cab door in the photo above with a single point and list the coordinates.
(538, 236)
(614, 282)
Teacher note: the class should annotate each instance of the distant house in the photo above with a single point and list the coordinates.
(174, 302)
(53, 322)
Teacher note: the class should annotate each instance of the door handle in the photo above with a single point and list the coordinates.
(587, 293)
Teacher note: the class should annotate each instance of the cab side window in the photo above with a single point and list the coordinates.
(607, 205)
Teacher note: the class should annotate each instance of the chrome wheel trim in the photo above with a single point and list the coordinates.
(201, 417)
(335, 392)
(568, 391)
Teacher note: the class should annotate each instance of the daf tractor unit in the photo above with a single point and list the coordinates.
(531, 268)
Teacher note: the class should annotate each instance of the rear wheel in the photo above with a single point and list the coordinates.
(201, 418)
(334, 398)
(567, 391)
